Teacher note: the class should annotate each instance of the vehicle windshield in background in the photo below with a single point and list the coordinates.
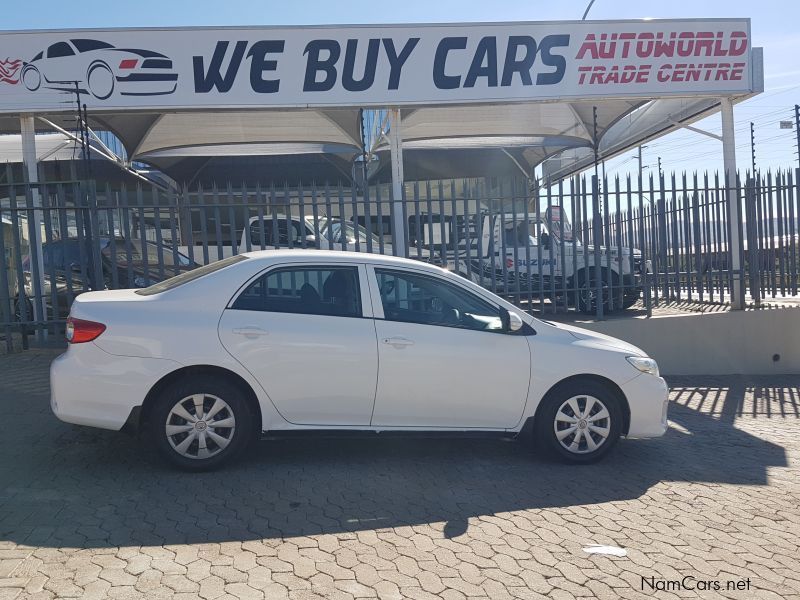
(559, 225)
(132, 250)
(178, 280)
(350, 232)
(68, 255)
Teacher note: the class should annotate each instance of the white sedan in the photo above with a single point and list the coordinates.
(283, 341)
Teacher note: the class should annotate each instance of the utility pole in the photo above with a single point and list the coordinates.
(753, 146)
(641, 165)
(659, 166)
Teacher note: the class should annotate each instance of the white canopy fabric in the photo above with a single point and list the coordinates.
(651, 120)
(558, 135)
(49, 147)
(438, 142)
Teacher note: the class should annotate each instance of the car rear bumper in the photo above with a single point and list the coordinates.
(89, 386)
(648, 398)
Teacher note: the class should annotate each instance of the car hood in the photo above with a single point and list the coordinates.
(599, 340)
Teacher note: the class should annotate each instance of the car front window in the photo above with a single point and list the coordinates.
(428, 300)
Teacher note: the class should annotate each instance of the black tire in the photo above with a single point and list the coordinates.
(587, 286)
(545, 425)
(212, 389)
(629, 300)
(28, 309)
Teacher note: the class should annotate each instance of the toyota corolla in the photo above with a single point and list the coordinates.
(284, 341)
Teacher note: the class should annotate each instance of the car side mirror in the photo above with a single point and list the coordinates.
(311, 241)
(510, 321)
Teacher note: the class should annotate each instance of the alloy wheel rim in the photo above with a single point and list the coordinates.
(200, 426)
(588, 292)
(582, 424)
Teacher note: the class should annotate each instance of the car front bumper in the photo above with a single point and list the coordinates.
(648, 399)
(89, 386)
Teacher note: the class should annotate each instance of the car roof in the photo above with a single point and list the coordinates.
(339, 256)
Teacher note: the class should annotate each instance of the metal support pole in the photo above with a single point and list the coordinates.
(734, 212)
(640, 163)
(30, 163)
(753, 146)
(396, 146)
(797, 130)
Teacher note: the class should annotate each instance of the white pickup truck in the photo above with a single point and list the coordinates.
(537, 255)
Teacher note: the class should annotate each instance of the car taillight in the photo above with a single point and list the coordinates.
(128, 63)
(80, 331)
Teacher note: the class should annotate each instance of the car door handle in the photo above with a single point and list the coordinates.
(251, 332)
(398, 342)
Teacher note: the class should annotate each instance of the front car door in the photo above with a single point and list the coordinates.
(306, 333)
(444, 361)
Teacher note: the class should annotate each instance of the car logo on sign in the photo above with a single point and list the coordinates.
(98, 68)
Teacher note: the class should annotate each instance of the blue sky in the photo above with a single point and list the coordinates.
(774, 27)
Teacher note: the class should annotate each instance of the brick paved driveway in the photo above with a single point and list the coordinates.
(87, 514)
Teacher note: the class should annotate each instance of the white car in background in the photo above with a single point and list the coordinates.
(298, 340)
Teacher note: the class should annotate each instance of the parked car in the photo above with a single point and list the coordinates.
(282, 342)
(124, 264)
(291, 231)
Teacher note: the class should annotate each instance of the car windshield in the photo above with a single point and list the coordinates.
(350, 232)
(132, 250)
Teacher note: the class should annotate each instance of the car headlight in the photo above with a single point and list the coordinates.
(643, 364)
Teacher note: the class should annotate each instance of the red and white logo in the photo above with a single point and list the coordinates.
(9, 70)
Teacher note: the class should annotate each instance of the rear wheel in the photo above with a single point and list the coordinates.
(198, 424)
(579, 422)
(31, 77)
(629, 300)
(588, 294)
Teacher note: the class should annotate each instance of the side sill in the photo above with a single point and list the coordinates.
(394, 433)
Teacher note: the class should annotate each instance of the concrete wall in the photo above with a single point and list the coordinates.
(741, 342)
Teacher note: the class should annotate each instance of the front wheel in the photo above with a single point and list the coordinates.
(101, 80)
(579, 422)
(199, 423)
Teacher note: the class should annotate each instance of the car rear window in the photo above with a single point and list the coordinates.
(179, 280)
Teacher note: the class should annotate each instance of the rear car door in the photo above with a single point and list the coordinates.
(305, 332)
(444, 362)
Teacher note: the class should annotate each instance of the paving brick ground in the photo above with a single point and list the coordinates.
(90, 514)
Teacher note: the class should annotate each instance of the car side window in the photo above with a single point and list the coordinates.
(427, 300)
(331, 291)
(84, 45)
(59, 49)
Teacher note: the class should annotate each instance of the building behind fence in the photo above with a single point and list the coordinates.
(594, 247)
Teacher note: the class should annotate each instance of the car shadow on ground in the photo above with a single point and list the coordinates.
(65, 486)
